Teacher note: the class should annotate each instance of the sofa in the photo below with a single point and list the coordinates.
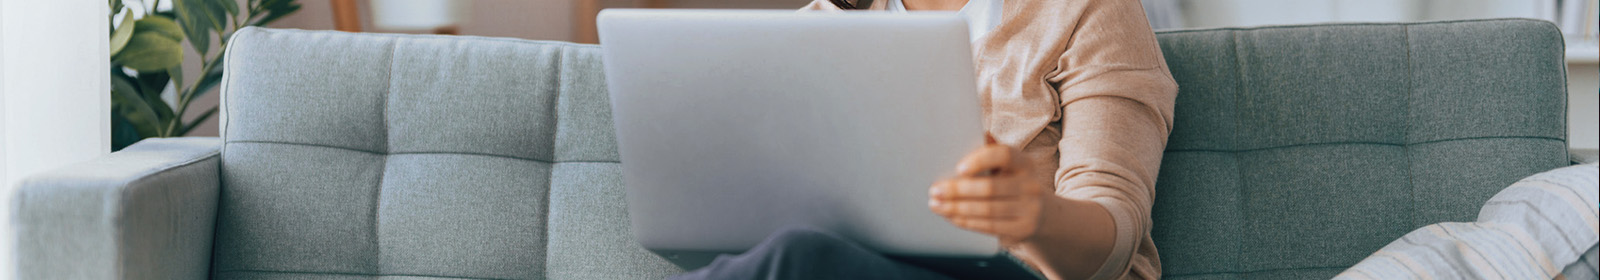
(1297, 151)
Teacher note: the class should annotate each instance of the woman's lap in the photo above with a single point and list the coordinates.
(807, 253)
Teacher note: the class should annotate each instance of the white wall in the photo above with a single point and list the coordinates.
(1583, 111)
(1467, 9)
(1221, 13)
(54, 93)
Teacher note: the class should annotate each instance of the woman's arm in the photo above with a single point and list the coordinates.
(1092, 223)
(1109, 156)
(1116, 100)
(1116, 113)
(993, 193)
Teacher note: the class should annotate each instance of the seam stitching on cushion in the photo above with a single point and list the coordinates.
(419, 153)
(123, 193)
(139, 178)
(301, 144)
(447, 37)
(345, 273)
(227, 124)
(1367, 143)
(1411, 90)
(227, 56)
(1238, 165)
(500, 156)
(550, 174)
(1566, 132)
(377, 196)
(555, 103)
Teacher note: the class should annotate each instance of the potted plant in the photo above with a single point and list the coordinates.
(147, 57)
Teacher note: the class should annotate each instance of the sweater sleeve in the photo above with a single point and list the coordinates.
(1116, 111)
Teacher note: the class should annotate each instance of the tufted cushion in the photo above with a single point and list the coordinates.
(1299, 150)
(403, 156)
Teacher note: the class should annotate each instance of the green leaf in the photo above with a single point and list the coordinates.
(122, 133)
(177, 77)
(153, 46)
(125, 101)
(277, 11)
(196, 122)
(124, 31)
(160, 25)
(269, 4)
(151, 85)
(231, 6)
(117, 72)
(167, 13)
(151, 82)
(217, 14)
(192, 15)
(150, 51)
(207, 82)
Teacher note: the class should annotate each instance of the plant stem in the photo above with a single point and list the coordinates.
(186, 95)
(207, 64)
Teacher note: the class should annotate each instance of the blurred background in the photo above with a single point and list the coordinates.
(573, 20)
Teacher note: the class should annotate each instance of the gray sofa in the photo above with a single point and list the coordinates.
(1297, 151)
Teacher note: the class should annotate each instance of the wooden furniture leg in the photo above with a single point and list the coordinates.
(583, 26)
(345, 16)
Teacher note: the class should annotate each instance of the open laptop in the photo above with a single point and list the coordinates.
(732, 124)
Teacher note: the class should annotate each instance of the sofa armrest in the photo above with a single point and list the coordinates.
(145, 212)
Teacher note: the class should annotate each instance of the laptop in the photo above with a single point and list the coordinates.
(732, 124)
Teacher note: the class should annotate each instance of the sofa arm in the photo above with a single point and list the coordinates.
(145, 212)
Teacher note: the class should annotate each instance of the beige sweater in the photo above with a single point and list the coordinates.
(1082, 87)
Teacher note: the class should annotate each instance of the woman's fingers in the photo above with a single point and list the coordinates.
(965, 188)
(988, 160)
(996, 209)
(976, 224)
(991, 194)
(980, 188)
(1005, 229)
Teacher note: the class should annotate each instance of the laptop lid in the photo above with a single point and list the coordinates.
(732, 124)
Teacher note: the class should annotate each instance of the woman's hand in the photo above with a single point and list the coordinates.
(993, 193)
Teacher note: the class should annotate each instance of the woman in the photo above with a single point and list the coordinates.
(1078, 102)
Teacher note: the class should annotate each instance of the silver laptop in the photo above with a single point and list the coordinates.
(733, 124)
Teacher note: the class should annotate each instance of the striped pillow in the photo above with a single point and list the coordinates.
(1542, 227)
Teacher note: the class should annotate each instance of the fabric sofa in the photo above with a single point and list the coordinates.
(1297, 151)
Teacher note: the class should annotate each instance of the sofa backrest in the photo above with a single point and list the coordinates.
(419, 156)
(1299, 150)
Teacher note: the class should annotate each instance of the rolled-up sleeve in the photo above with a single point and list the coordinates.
(1117, 102)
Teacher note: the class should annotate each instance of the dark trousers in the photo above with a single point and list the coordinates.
(807, 253)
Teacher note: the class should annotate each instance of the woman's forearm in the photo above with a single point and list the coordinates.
(1073, 240)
